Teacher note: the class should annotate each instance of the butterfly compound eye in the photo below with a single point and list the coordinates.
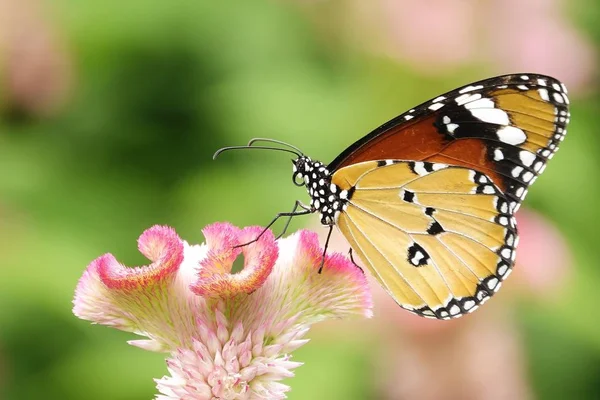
(298, 177)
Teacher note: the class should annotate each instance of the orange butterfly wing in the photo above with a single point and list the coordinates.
(506, 127)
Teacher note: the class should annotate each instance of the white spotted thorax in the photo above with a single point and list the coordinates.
(326, 198)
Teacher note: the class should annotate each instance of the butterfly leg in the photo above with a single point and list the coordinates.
(325, 248)
(289, 218)
(354, 262)
(305, 210)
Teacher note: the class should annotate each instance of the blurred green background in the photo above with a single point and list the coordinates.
(111, 111)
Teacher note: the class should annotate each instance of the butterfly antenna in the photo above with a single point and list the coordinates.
(248, 147)
(255, 140)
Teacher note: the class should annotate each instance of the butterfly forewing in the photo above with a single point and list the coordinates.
(438, 238)
(507, 127)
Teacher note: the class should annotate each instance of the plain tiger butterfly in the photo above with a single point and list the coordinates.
(427, 200)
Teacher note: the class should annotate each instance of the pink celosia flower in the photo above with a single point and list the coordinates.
(229, 336)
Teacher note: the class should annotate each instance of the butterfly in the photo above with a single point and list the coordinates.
(427, 200)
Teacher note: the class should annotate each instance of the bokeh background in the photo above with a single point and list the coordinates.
(110, 112)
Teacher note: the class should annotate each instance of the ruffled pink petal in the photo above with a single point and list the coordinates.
(161, 245)
(144, 299)
(215, 278)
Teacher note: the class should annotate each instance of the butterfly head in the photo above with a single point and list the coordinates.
(326, 197)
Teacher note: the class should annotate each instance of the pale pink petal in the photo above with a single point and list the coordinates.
(143, 300)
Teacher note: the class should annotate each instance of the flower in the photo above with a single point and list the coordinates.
(229, 336)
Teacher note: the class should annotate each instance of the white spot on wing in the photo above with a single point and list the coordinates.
(465, 98)
(491, 284)
(451, 127)
(558, 97)
(436, 106)
(489, 189)
(516, 171)
(491, 115)
(420, 169)
(502, 270)
(417, 258)
(470, 88)
(498, 155)
(480, 103)
(511, 135)
(468, 304)
(511, 240)
(526, 157)
(519, 192)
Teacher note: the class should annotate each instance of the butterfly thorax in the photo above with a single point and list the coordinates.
(326, 198)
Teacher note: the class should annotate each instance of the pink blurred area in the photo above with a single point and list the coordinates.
(436, 37)
(35, 68)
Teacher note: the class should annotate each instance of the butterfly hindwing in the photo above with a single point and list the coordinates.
(438, 238)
